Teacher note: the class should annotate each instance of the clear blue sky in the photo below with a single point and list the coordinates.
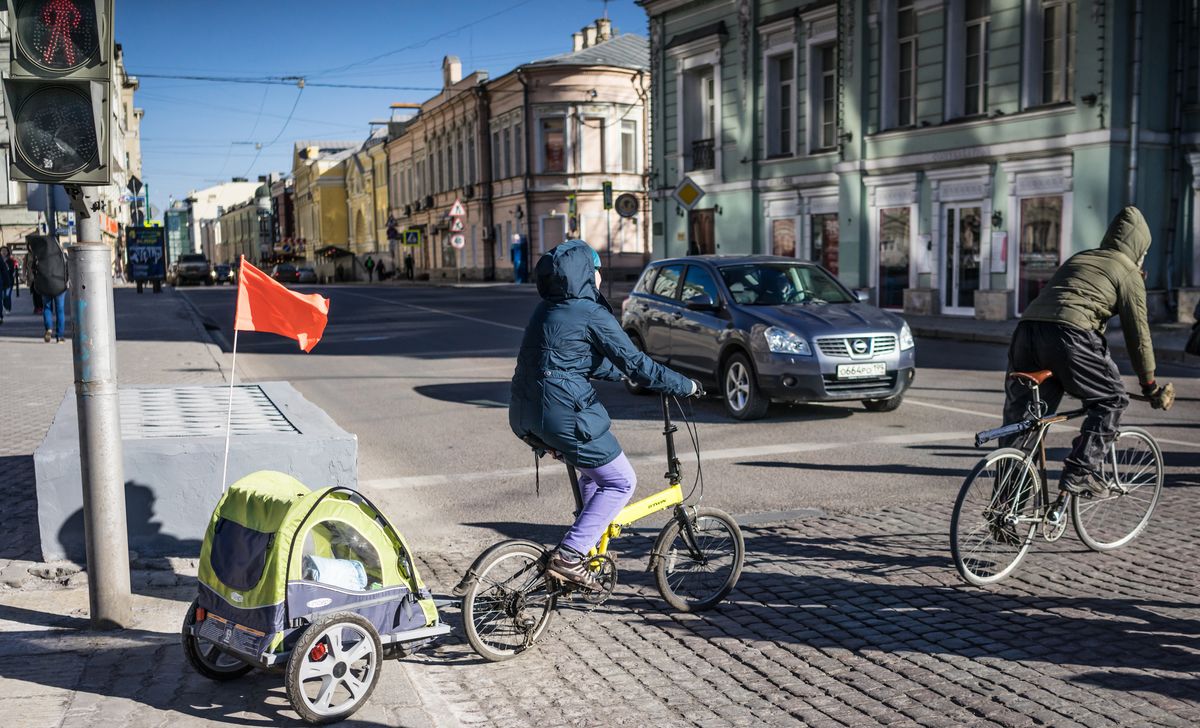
(189, 127)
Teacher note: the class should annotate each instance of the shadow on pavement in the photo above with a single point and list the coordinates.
(19, 538)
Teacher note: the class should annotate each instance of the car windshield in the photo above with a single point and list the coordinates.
(777, 284)
(285, 268)
(307, 270)
(196, 258)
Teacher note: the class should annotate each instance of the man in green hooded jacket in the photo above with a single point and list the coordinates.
(1062, 330)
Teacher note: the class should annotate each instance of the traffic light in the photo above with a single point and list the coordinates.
(58, 91)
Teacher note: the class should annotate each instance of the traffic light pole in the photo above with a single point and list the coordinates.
(100, 449)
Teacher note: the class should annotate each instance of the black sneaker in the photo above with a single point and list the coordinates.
(1083, 484)
(572, 570)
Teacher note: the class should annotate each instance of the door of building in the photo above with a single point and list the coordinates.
(960, 259)
(702, 237)
(1040, 246)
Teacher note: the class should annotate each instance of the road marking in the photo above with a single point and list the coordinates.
(1061, 428)
(439, 311)
(372, 338)
(734, 453)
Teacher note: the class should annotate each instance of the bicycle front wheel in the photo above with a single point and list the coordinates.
(994, 517)
(1108, 523)
(696, 576)
(509, 604)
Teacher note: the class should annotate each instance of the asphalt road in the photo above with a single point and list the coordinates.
(421, 376)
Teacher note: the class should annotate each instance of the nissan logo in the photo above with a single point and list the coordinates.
(860, 346)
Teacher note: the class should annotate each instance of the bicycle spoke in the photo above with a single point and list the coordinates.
(1134, 466)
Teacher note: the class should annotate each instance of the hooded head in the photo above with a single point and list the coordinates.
(1128, 233)
(567, 271)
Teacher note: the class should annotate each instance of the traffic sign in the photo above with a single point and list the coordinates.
(571, 205)
(608, 202)
(412, 236)
(458, 241)
(627, 205)
(457, 225)
(688, 193)
(457, 210)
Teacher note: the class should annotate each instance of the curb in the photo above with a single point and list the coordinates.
(1118, 350)
(213, 332)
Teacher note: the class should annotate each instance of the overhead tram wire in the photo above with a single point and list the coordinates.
(288, 120)
(282, 81)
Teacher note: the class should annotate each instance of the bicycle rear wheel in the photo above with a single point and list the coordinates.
(994, 517)
(1108, 523)
(693, 581)
(509, 604)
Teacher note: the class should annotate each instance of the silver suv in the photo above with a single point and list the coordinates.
(764, 328)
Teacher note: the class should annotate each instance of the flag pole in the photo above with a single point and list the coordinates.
(232, 379)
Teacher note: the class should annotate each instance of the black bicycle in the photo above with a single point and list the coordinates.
(508, 598)
(1006, 499)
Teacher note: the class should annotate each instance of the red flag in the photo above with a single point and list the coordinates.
(266, 305)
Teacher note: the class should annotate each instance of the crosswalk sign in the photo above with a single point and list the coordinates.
(457, 225)
(457, 210)
(412, 237)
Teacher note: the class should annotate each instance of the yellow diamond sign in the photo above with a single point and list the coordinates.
(688, 193)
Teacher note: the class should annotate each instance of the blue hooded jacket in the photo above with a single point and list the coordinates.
(571, 337)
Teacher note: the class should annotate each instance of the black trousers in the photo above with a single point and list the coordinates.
(1083, 369)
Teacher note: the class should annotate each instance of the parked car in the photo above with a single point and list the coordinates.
(285, 273)
(193, 268)
(763, 328)
(306, 275)
(224, 273)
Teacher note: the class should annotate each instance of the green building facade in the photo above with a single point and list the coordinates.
(944, 155)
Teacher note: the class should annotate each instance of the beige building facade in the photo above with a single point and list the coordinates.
(527, 155)
(321, 206)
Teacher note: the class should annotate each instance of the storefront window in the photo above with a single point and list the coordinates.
(894, 246)
(825, 241)
(783, 237)
(1041, 245)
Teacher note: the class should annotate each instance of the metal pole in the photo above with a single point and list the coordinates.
(100, 449)
(608, 229)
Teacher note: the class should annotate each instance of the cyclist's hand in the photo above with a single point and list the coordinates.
(697, 389)
(1160, 397)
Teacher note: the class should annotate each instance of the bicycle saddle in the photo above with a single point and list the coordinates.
(1033, 379)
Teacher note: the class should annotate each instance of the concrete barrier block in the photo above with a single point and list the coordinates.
(922, 301)
(174, 446)
(994, 304)
(1189, 299)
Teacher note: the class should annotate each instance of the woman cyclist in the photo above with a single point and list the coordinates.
(572, 337)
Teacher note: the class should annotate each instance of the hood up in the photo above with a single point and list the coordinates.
(566, 272)
(1129, 234)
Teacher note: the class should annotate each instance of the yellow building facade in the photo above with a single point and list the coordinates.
(321, 205)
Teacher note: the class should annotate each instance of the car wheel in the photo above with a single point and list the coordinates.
(883, 405)
(632, 388)
(739, 390)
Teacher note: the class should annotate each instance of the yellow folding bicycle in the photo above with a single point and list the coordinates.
(508, 600)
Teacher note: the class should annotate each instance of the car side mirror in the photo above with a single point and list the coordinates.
(862, 296)
(701, 302)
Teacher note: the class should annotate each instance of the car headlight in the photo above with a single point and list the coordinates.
(782, 341)
(906, 338)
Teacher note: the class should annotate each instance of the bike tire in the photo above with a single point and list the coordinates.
(1109, 523)
(495, 605)
(970, 535)
(207, 658)
(720, 539)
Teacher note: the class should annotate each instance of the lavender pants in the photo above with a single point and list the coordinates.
(605, 491)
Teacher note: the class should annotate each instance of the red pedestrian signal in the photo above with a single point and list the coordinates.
(58, 91)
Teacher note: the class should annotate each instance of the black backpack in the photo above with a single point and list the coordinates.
(50, 265)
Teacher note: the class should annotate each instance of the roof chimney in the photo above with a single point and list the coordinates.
(603, 29)
(451, 71)
(576, 42)
(589, 36)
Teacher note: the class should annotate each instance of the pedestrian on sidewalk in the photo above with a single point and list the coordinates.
(50, 278)
(370, 266)
(408, 264)
(7, 278)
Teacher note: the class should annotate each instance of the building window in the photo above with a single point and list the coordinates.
(825, 241)
(462, 180)
(780, 109)
(906, 40)
(700, 118)
(518, 150)
(553, 133)
(1058, 51)
(628, 146)
(508, 168)
(496, 171)
(783, 237)
(1040, 245)
(894, 246)
(471, 158)
(975, 61)
(824, 97)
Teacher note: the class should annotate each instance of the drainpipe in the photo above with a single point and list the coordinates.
(529, 157)
(647, 218)
(1135, 103)
(1176, 151)
(485, 182)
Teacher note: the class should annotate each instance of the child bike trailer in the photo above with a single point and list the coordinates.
(316, 583)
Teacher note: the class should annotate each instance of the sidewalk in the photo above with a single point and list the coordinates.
(1169, 339)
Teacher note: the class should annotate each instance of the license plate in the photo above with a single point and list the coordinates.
(861, 371)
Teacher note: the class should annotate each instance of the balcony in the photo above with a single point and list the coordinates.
(703, 155)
